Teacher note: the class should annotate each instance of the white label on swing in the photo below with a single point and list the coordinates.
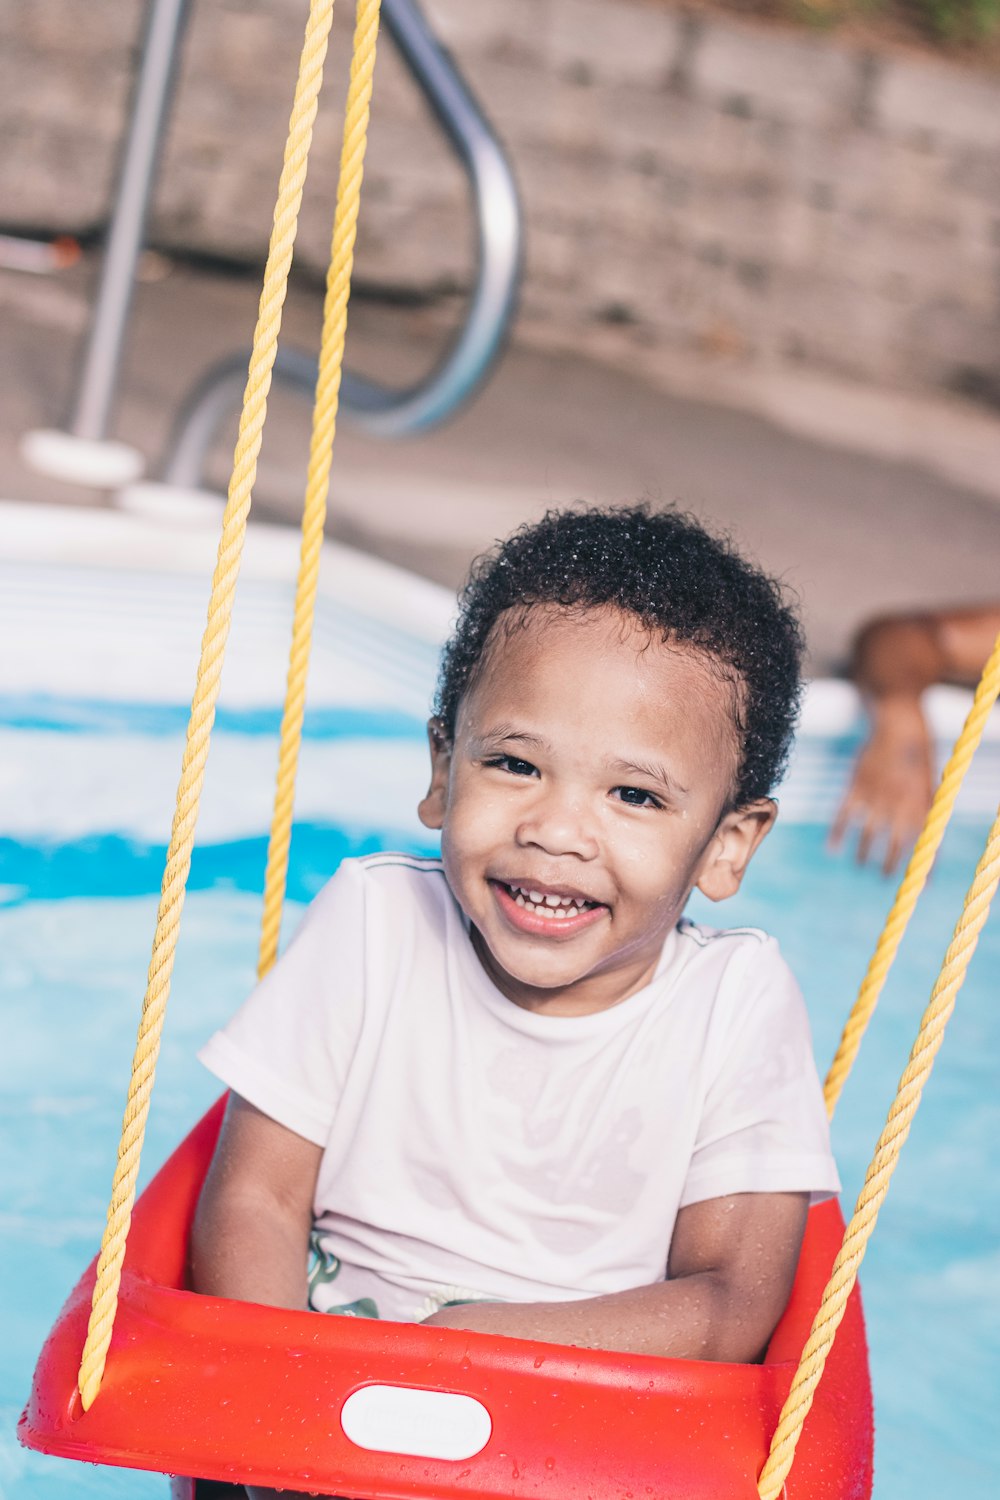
(424, 1424)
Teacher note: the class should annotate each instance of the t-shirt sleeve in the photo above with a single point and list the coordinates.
(289, 1047)
(763, 1126)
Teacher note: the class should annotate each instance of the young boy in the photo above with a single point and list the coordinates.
(514, 1089)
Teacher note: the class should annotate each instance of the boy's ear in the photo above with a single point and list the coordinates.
(732, 847)
(431, 809)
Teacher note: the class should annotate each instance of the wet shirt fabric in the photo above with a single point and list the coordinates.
(472, 1148)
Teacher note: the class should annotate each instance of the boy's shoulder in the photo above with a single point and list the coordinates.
(376, 893)
(736, 961)
(395, 877)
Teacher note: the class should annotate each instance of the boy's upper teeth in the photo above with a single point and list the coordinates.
(549, 898)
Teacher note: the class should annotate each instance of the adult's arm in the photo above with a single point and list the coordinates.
(895, 658)
(250, 1238)
(731, 1266)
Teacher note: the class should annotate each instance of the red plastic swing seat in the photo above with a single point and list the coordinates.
(230, 1391)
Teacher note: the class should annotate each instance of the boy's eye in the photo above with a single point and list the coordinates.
(513, 765)
(635, 796)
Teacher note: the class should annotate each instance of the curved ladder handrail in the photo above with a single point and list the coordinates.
(380, 410)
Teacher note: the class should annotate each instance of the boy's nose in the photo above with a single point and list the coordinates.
(559, 824)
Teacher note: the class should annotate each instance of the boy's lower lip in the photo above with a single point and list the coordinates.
(537, 925)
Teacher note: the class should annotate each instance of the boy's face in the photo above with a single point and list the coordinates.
(582, 800)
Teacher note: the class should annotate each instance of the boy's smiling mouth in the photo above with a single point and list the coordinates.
(545, 909)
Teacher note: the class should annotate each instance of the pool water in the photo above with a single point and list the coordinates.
(91, 783)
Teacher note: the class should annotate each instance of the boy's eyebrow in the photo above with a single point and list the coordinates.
(501, 733)
(654, 771)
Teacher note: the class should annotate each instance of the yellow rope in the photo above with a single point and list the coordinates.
(881, 1168)
(338, 288)
(105, 1300)
(913, 881)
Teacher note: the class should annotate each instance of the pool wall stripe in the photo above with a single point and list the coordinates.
(111, 866)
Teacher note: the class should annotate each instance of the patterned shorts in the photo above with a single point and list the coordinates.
(324, 1268)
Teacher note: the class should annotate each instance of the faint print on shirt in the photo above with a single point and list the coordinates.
(598, 1177)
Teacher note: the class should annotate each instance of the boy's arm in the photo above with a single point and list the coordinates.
(732, 1263)
(895, 659)
(250, 1237)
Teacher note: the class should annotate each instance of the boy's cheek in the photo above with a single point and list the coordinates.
(462, 873)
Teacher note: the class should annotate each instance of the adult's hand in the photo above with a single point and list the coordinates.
(895, 659)
(891, 786)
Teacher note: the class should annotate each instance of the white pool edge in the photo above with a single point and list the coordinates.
(114, 539)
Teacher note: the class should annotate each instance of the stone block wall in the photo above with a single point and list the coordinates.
(700, 182)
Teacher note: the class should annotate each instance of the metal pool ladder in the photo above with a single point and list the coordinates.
(85, 455)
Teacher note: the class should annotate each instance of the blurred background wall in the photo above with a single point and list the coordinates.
(692, 182)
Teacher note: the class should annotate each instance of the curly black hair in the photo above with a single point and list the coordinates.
(676, 578)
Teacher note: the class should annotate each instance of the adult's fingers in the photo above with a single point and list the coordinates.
(895, 844)
(872, 831)
(847, 813)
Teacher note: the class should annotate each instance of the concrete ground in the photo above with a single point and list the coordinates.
(859, 500)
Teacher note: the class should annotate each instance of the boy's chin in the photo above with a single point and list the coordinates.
(546, 974)
(545, 979)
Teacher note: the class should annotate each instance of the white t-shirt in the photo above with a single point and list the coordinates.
(474, 1148)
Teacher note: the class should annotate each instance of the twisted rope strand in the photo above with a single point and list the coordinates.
(914, 879)
(338, 288)
(105, 1299)
(881, 1168)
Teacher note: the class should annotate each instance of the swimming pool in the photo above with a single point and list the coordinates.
(92, 712)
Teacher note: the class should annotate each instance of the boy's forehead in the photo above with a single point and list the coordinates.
(550, 626)
(556, 648)
(534, 634)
